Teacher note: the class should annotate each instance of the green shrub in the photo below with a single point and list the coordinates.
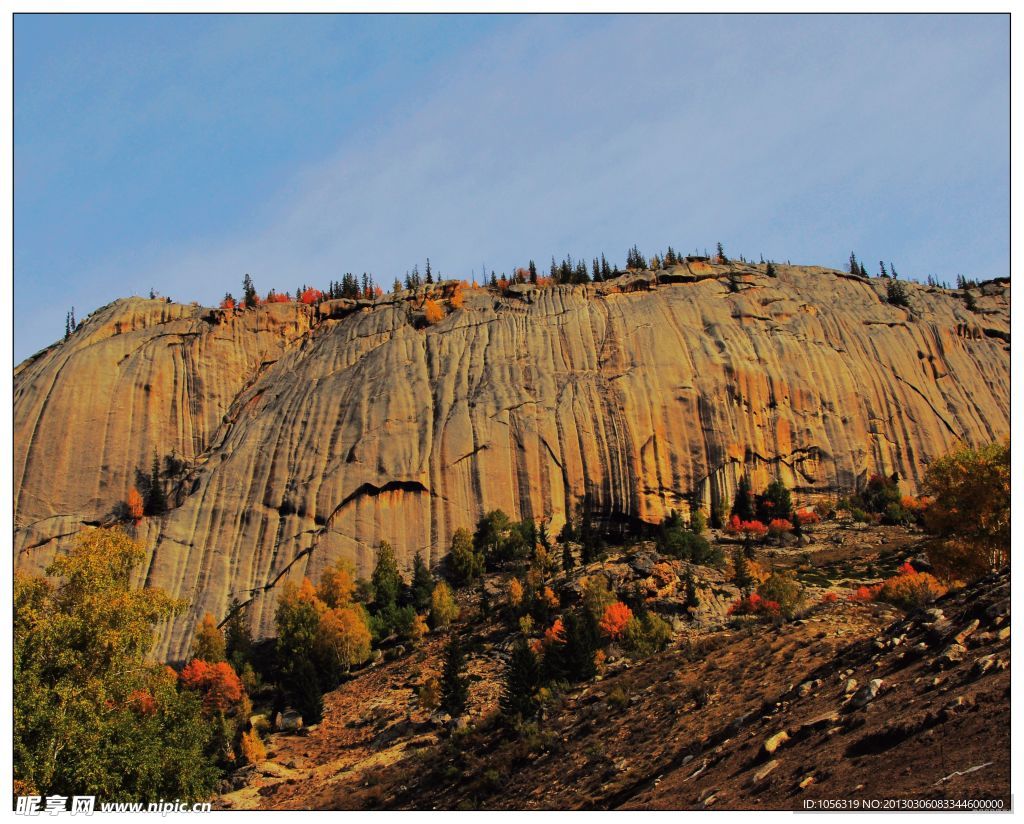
(784, 589)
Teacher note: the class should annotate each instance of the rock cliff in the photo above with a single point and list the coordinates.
(312, 433)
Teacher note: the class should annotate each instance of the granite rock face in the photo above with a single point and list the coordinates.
(312, 433)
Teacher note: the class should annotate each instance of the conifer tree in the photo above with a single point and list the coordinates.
(881, 270)
(606, 270)
(741, 572)
(429, 276)
(896, 294)
(422, 583)
(522, 680)
(237, 636)
(692, 598)
(567, 560)
(67, 326)
(386, 579)
(854, 266)
(770, 270)
(248, 291)
(892, 270)
(863, 271)
(721, 254)
(156, 498)
(454, 684)
(743, 503)
(533, 272)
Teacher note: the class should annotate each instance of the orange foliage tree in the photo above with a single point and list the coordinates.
(336, 585)
(218, 684)
(311, 296)
(616, 617)
(456, 300)
(432, 311)
(135, 505)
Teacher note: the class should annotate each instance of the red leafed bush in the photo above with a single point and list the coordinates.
(555, 634)
(829, 598)
(135, 507)
(142, 702)
(754, 604)
(616, 617)
(863, 594)
(227, 303)
(274, 297)
(779, 526)
(311, 296)
(807, 517)
(218, 683)
(750, 530)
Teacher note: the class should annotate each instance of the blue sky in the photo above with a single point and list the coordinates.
(180, 152)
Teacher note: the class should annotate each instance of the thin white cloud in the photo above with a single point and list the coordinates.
(587, 135)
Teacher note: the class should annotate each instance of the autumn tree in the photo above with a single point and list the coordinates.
(785, 590)
(336, 586)
(298, 625)
(614, 620)
(432, 311)
(443, 609)
(970, 508)
(208, 644)
(217, 683)
(343, 637)
(92, 715)
(135, 504)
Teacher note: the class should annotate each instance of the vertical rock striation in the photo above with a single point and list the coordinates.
(312, 434)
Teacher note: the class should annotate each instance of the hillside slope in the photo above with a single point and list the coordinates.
(313, 433)
(855, 701)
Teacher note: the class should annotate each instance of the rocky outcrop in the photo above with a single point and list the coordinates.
(312, 433)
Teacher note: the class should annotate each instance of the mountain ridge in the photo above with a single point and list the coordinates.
(309, 433)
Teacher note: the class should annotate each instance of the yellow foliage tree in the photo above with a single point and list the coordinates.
(253, 750)
(208, 644)
(443, 609)
(344, 636)
(970, 506)
(336, 585)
